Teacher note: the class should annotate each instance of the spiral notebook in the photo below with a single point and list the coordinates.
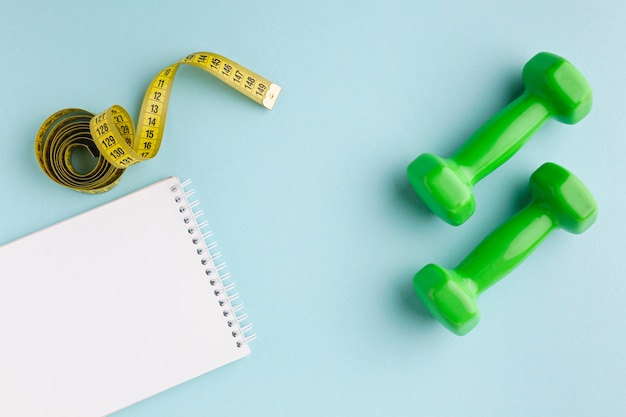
(113, 306)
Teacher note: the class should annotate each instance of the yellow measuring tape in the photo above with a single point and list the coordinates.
(111, 137)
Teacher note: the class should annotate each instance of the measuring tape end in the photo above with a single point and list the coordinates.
(271, 96)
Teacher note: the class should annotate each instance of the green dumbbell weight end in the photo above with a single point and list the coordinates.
(559, 200)
(553, 88)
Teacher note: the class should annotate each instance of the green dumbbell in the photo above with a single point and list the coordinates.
(559, 200)
(553, 88)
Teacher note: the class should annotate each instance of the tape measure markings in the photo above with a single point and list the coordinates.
(110, 135)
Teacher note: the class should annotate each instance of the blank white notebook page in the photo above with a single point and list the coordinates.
(110, 307)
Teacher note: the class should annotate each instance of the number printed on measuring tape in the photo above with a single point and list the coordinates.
(111, 135)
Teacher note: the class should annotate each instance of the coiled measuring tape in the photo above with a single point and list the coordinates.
(111, 137)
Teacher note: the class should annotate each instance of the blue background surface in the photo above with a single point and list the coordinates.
(311, 205)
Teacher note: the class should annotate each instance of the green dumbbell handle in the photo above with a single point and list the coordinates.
(506, 247)
(502, 136)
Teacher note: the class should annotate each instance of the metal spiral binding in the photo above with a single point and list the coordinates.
(208, 255)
